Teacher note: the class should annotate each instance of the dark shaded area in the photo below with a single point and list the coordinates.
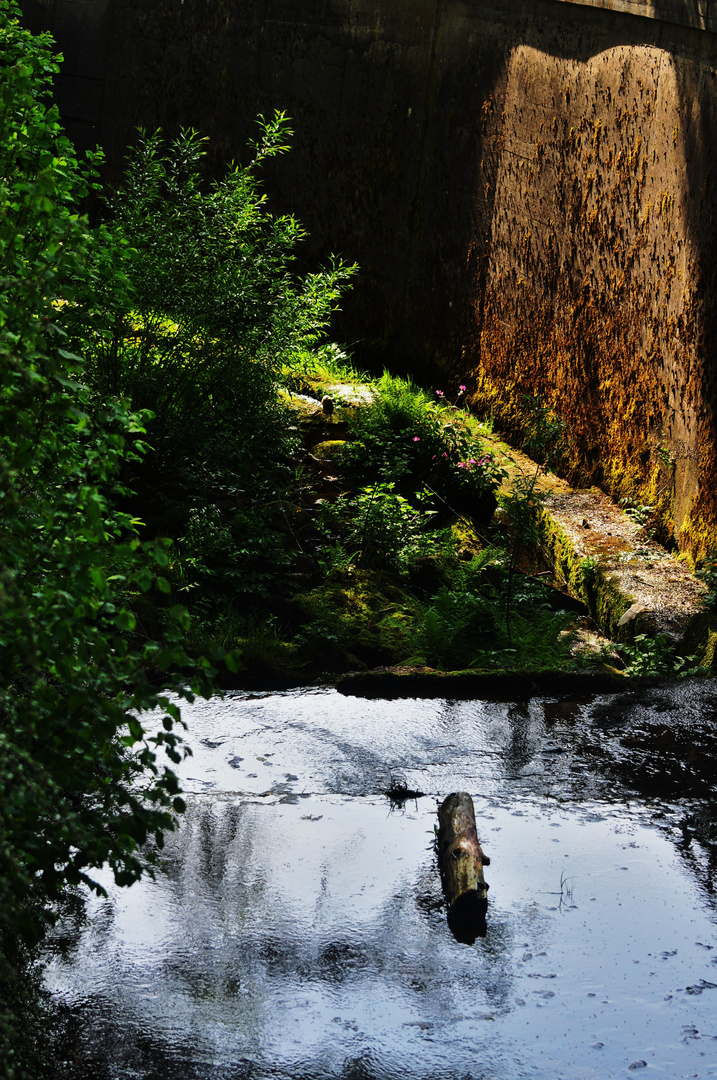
(392, 683)
(467, 918)
(397, 120)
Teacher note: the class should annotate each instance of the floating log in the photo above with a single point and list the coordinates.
(461, 862)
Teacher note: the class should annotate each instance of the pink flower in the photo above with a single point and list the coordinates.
(416, 438)
(439, 393)
(462, 389)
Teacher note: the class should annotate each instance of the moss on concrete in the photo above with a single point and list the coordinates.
(584, 578)
(361, 616)
(329, 448)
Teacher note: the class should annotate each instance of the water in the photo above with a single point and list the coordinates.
(299, 930)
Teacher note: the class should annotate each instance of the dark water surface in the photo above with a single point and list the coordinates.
(299, 931)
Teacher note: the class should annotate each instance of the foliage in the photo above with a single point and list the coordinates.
(646, 655)
(465, 624)
(356, 616)
(708, 573)
(308, 369)
(83, 780)
(588, 570)
(382, 528)
(544, 437)
(407, 439)
(325, 632)
(454, 627)
(544, 441)
(230, 558)
(211, 309)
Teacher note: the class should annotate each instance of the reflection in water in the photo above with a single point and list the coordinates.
(299, 931)
(467, 919)
(524, 738)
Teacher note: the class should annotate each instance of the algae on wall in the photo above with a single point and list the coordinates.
(590, 300)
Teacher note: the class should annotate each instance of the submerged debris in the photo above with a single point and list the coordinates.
(398, 791)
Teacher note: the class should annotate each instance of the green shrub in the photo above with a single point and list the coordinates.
(708, 573)
(209, 313)
(382, 528)
(407, 439)
(83, 780)
(234, 559)
(454, 627)
(647, 655)
(465, 624)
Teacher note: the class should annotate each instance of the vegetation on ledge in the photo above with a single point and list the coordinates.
(384, 551)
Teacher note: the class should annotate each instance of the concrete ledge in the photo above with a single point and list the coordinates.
(697, 14)
(404, 682)
(607, 559)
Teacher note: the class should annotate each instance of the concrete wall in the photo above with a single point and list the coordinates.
(528, 186)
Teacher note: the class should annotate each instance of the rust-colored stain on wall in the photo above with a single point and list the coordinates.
(590, 300)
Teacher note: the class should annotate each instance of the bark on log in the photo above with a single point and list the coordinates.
(461, 862)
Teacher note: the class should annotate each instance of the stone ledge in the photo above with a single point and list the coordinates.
(406, 682)
(605, 558)
(693, 13)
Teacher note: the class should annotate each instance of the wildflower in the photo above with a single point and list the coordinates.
(462, 389)
(416, 438)
(439, 393)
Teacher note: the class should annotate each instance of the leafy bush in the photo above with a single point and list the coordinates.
(708, 573)
(230, 558)
(382, 528)
(308, 369)
(210, 310)
(407, 439)
(646, 655)
(72, 688)
(465, 624)
(455, 626)
(543, 431)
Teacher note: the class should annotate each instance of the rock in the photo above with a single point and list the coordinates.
(632, 612)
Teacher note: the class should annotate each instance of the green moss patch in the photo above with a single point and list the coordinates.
(357, 616)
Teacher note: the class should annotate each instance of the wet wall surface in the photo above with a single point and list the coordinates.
(299, 930)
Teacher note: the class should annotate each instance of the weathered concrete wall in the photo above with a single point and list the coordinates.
(600, 290)
(528, 186)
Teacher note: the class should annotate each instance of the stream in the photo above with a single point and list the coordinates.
(299, 929)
